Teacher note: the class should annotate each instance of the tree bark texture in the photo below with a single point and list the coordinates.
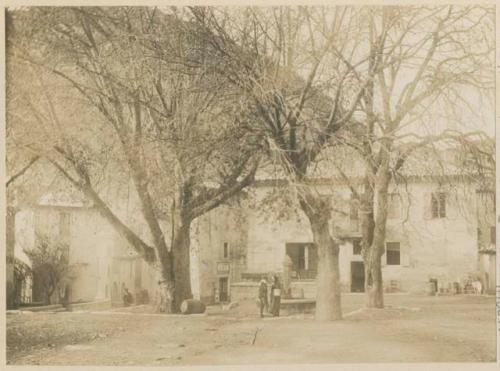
(374, 286)
(328, 301)
(181, 264)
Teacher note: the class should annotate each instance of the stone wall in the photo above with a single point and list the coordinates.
(225, 225)
(241, 291)
(102, 261)
(92, 306)
(257, 233)
(445, 249)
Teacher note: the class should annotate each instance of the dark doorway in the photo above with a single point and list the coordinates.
(357, 277)
(304, 257)
(223, 289)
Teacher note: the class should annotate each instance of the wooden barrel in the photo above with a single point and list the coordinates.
(191, 306)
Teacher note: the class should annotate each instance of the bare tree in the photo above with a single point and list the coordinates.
(172, 128)
(429, 59)
(294, 65)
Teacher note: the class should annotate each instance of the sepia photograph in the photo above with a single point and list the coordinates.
(249, 185)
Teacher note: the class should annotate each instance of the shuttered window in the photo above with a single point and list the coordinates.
(353, 209)
(438, 205)
(356, 246)
(393, 253)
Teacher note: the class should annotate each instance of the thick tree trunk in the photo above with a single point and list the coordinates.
(165, 291)
(370, 222)
(374, 286)
(328, 303)
(181, 264)
(371, 259)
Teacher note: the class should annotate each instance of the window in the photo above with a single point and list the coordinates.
(438, 205)
(493, 235)
(226, 250)
(353, 210)
(393, 206)
(356, 246)
(393, 253)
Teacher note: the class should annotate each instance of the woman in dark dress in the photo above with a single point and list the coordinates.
(263, 303)
(275, 297)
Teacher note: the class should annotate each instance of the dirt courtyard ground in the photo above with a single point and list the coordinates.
(410, 329)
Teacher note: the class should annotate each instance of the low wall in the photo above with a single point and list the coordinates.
(306, 289)
(303, 289)
(295, 306)
(241, 291)
(94, 305)
(42, 308)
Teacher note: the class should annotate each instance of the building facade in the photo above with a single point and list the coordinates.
(437, 231)
(101, 262)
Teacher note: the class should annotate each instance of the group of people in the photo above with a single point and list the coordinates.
(273, 304)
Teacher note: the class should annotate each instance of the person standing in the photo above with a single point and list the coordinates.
(275, 296)
(127, 297)
(263, 303)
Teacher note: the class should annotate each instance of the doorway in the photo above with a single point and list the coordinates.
(357, 277)
(223, 289)
(304, 258)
